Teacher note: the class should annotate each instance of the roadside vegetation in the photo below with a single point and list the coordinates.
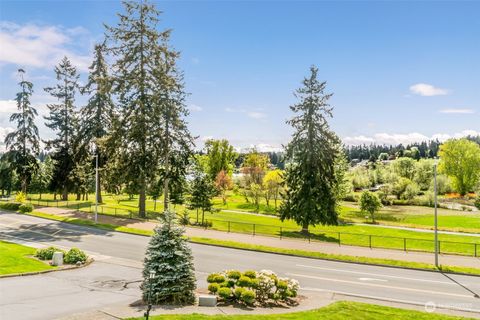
(18, 259)
(342, 310)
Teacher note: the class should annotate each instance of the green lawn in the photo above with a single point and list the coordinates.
(14, 258)
(418, 217)
(342, 310)
(270, 225)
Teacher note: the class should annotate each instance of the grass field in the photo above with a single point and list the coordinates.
(14, 258)
(343, 310)
(358, 235)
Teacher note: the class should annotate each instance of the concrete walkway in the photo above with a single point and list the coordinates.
(285, 243)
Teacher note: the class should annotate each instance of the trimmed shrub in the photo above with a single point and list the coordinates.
(244, 281)
(75, 255)
(26, 207)
(225, 293)
(234, 274)
(47, 253)
(213, 288)
(248, 297)
(238, 292)
(252, 287)
(13, 206)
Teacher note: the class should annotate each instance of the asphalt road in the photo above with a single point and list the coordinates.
(119, 259)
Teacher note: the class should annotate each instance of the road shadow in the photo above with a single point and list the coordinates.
(475, 294)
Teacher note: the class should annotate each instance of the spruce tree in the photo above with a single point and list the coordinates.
(314, 174)
(151, 98)
(23, 143)
(63, 119)
(96, 116)
(170, 258)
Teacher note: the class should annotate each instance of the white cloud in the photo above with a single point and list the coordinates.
(8, 106)
(194, 108)
(427, 90)
(39, 46)
(407, 138)
(458, 111)
(256, 115)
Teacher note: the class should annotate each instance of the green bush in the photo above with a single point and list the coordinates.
(234, 274)
(20, 197)
(26, 207)
(244, 281)
(213, 288)
(251, 274)
(47, 253)
(215, 278)
(248, 297)
(13, 206)
(225, 293)
(75, 255)
(238, 292)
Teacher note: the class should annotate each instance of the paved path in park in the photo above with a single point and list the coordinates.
(285, 243)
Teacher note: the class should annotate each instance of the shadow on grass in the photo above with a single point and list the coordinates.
(312, 236)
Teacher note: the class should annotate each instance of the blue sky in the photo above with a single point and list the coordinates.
(399, 71)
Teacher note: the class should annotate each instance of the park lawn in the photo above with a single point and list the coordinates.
(342, 310)
(14, 258)
(358, 235)
(417, 217)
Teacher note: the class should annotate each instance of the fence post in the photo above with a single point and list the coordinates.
(405, 244)
(281, 233)
(308, 232)
(370, 241)
(339, 240)
(206, 224)
(475, 250)
(254, 229)
(228, 226)
(439, 250)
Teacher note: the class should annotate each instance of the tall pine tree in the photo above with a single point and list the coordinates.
(150, 94)
(96, 116)
(63, 120)
(313, 175)
(23, 143)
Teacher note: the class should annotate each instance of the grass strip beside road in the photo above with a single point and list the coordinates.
(267, 249)
(342, 310)
(14, 259)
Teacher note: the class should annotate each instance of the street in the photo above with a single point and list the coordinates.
(115, 276)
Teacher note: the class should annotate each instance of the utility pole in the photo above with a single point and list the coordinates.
(96, 188)
(436, 216)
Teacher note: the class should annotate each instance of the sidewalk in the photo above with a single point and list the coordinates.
(285, 243)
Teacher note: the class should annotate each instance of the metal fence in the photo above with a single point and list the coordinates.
(341, 238)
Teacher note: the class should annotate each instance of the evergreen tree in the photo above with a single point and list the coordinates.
(96, 116)
(170, 258)
(23, 143)
(63, 119)
(151, 98)
(202, 192)
(42, 178)
(312, 176)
